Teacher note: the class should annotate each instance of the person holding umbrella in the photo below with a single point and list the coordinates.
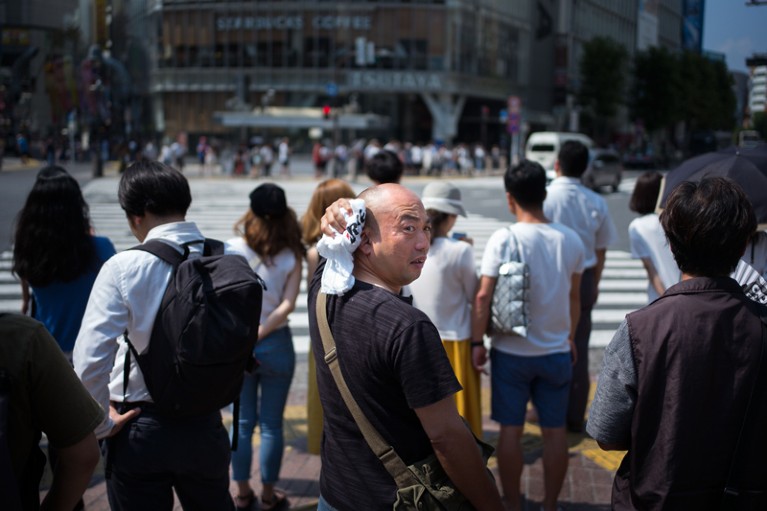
(748, 168)
(684, 371)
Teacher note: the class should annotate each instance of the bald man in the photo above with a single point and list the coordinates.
(393, 361)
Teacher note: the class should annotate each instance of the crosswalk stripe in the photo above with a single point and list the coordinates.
(218, 204)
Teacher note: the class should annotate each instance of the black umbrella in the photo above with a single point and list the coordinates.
(745, 166)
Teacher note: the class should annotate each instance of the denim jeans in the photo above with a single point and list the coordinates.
(262, 401)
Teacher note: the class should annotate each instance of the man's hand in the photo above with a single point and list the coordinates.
(573, 351)
(479, 358)
(333, 221)
(121, 420)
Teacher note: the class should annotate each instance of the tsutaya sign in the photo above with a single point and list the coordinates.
(320, 21)
(394, 80)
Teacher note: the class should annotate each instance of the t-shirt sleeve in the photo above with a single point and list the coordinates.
(491, 258)
(612, 410)
(422, 367)
(65, 410)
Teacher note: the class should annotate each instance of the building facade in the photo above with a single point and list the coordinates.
(429, 66)
(757, 87)
(443, 70)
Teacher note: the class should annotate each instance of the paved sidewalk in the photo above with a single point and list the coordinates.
(587, 485)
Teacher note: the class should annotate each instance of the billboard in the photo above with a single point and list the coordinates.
(692, 25)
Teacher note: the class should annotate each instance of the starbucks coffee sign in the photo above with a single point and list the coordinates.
(319, 21)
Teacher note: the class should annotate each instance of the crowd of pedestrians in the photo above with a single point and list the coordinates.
(265, 159)
(396, 355)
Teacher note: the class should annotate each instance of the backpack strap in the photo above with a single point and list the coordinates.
(164, 251)
(171, 256)
(212, 247)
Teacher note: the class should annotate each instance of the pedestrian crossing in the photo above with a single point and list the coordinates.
(217, 204)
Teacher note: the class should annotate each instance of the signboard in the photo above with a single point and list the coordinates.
(293, 22)
(399, 80)
(332, 89)
(515, 118)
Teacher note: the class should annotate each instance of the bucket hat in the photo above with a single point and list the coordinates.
(443, 196)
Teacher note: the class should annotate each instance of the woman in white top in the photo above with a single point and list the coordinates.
(445, 291)
(648, 241)
(270, 239)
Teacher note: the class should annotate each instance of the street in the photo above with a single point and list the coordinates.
(218, 202)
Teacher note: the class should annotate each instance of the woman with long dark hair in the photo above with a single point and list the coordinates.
(56, 255)
(270, 240)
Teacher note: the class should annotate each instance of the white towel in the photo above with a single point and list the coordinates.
(337, 276)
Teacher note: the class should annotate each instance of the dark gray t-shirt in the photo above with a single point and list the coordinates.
(393, 361)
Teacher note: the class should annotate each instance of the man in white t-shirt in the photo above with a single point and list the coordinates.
(570, 203)
(539, 365)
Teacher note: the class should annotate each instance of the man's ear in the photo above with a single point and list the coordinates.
(512, 204)
(133, 220)
(365, 245)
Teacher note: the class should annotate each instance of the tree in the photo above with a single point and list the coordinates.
(707, 99)
(759, 123)
(655, 96)
(602, 70)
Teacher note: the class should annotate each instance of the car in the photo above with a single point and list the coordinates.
(639, 160)
(605, 169)
(749, 138)
(543, 147)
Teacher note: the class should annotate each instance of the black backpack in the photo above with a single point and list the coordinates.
(203, 337)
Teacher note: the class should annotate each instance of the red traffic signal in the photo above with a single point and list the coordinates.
(326, 112)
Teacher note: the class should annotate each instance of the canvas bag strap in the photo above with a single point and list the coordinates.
(512, 244)
(391, 460)
(746, 428)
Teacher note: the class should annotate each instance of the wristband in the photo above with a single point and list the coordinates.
(476, 344)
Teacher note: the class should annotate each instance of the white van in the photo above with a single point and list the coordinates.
(543, 147)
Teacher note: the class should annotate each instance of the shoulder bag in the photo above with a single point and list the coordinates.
(510, 307)
(424, 485)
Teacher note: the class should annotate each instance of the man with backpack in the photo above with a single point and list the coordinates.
(161, 358)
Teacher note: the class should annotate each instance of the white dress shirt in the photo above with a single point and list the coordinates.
(570, 203)
(125, 297)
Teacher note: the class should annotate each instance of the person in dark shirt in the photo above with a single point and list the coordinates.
(392, 359)
(682, 372)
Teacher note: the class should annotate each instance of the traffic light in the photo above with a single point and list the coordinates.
(326, 112)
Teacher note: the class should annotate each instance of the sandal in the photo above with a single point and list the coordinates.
(245, 502)
(277, 501)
